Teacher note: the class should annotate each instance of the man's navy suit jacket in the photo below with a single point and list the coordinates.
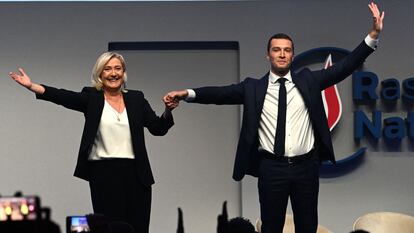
(251, 93)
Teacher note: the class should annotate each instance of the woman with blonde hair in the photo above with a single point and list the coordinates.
(112, 155)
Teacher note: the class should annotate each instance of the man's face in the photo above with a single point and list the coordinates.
(280, 55)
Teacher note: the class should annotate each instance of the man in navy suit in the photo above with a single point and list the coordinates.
(284, 132)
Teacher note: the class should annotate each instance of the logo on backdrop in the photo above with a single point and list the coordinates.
(331, 100)
(323, 58)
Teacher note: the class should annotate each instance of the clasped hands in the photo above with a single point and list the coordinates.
(173, 98)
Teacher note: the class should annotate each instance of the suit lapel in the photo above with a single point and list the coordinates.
(130, 107)
(261, 89)
(94, 114)
(100, 103)
(302, 87)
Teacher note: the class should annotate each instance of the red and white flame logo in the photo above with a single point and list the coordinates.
(331, 100)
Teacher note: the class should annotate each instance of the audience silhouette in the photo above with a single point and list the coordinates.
(234, 225)
(98, 223)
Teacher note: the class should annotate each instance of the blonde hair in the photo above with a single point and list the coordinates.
(99, 66)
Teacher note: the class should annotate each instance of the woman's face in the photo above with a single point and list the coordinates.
(112, 75)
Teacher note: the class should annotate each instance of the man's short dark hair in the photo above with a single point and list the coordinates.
(279, 36)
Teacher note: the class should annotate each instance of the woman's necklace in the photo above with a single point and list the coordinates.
(117, 114)
(116, 105)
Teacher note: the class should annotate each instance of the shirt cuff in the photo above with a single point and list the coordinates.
(191, 95)
(373, 43)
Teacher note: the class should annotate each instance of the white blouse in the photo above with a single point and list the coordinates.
(113, 139)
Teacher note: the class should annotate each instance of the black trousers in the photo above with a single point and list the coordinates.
(279, 180)
(118, 194)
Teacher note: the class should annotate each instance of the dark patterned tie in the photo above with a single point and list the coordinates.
(279, 146)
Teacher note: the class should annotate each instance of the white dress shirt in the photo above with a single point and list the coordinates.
(299, 132)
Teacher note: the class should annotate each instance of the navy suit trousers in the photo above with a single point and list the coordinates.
(278, 181)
